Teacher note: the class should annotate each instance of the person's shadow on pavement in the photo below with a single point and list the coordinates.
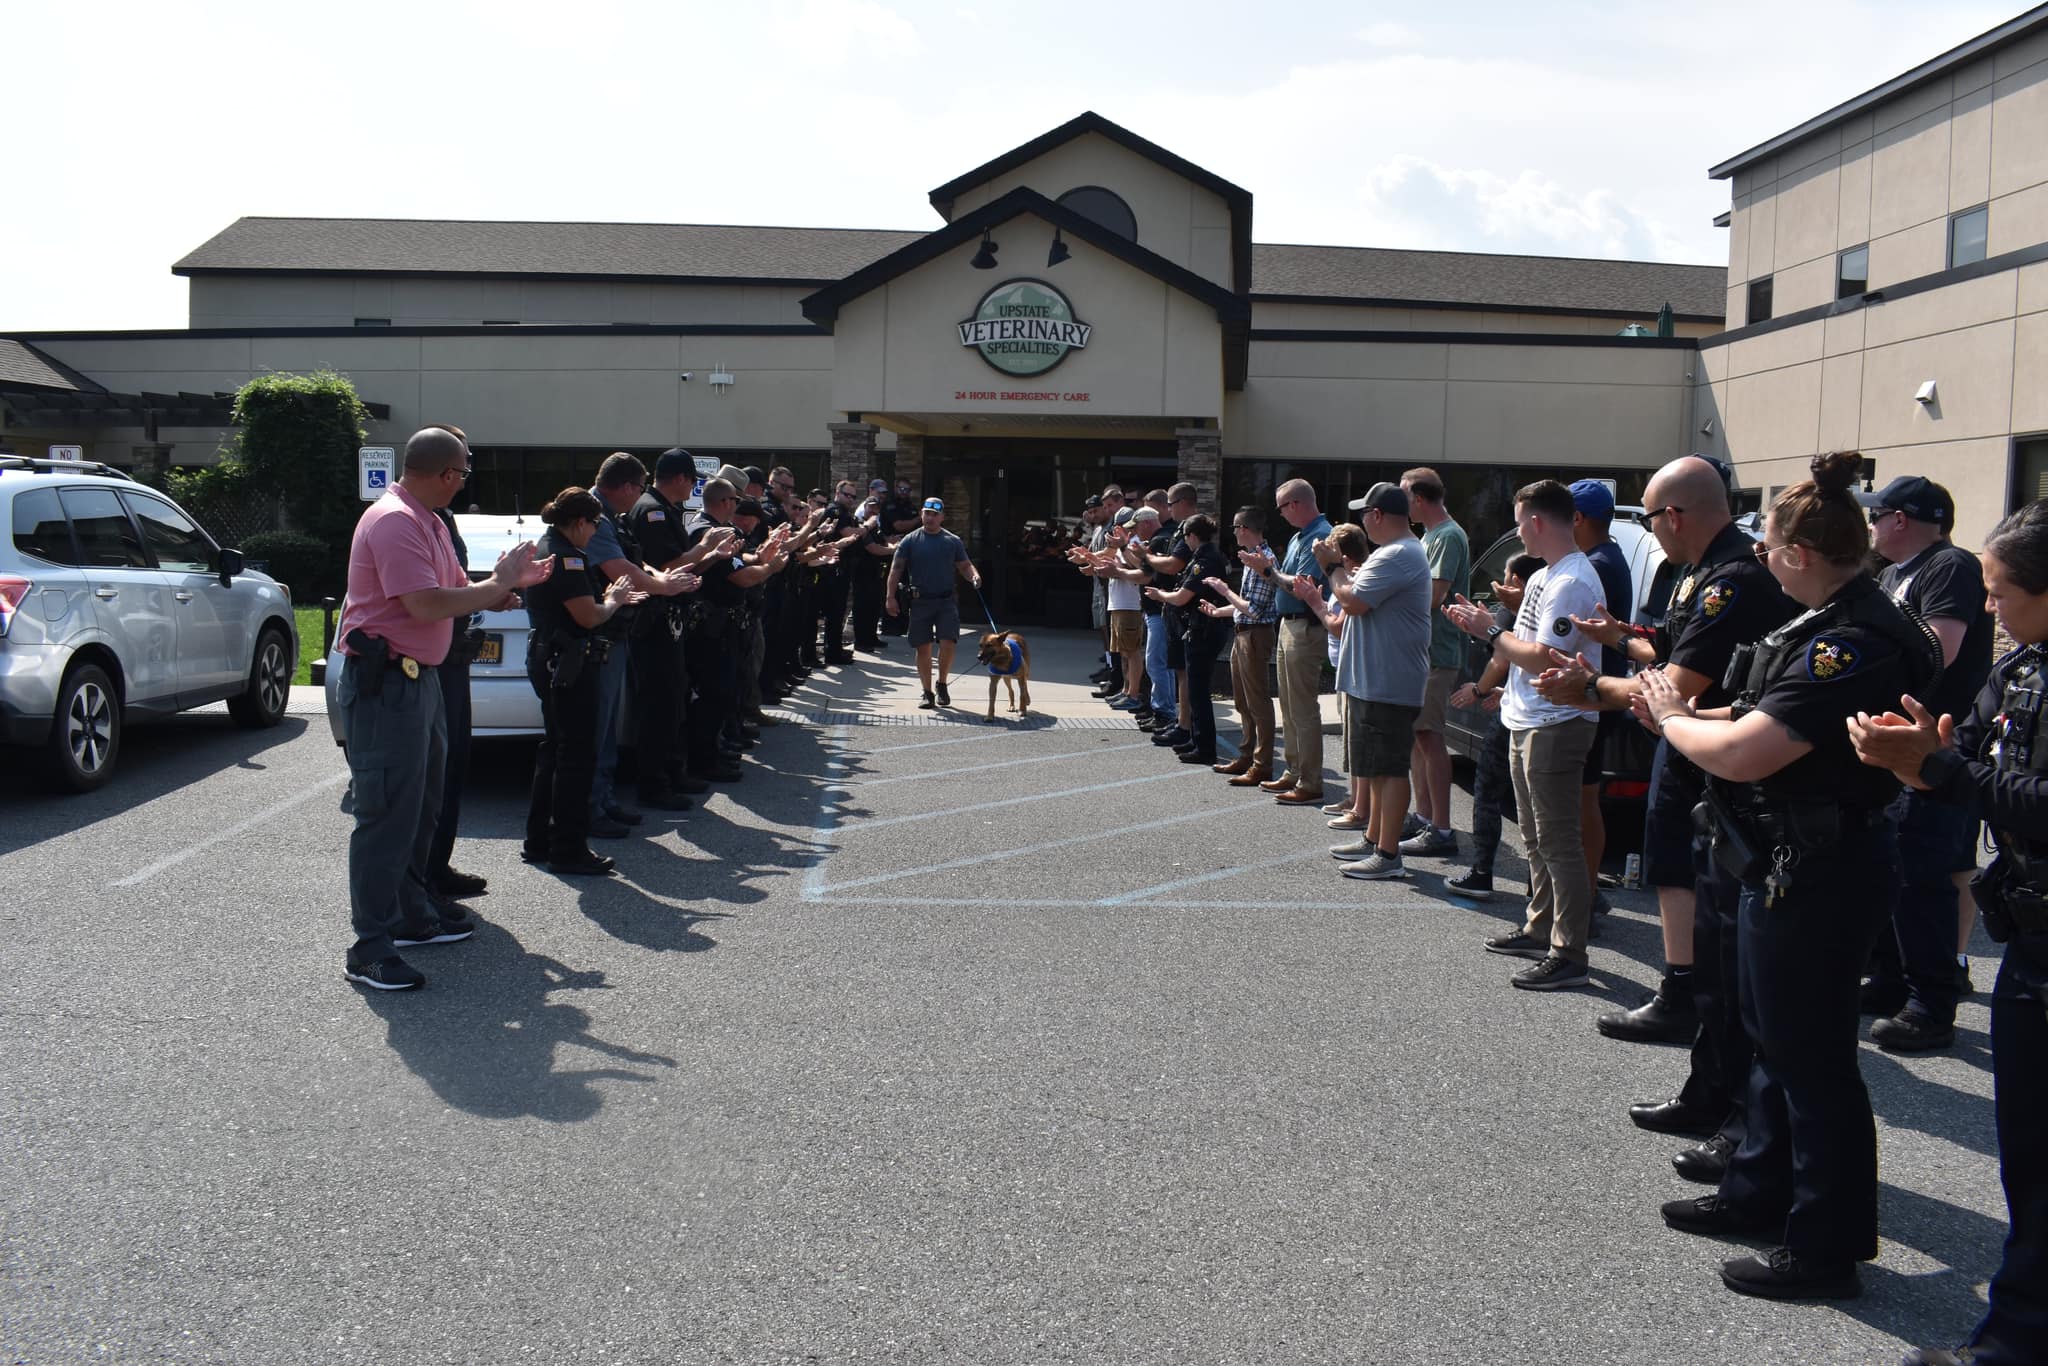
(487, 1043)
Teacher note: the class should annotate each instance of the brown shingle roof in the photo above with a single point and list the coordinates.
(21, 363)
(1628, 288)
(384, 246)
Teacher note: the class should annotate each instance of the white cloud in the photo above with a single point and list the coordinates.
(827, 34)
(1411, 202)
(1386, 33)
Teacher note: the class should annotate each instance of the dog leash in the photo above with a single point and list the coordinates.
(993, 628)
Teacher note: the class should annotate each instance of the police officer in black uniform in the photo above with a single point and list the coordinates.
(899, 517)
(1914, 983)
(1724, 597)
(840, 528)
(1800, 824)
(564, 656)
(865, 571)
(1994, 764)
(715, 635)
(661, 677)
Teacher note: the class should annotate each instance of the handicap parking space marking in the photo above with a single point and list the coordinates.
(193, 851)
(861, 827)
(1220, 875)
(1042, 903)
(979, 769)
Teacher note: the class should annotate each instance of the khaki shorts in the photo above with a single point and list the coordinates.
(1436, 699)
(1126, 632)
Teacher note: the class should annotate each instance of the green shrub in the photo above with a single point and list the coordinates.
(296, 436)
(312, 569)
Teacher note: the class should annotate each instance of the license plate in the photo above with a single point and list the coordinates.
(493, 651)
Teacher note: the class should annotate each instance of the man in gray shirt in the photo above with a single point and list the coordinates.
(930, 556)
(1382, 669)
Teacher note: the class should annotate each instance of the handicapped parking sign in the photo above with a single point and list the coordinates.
(374, 466)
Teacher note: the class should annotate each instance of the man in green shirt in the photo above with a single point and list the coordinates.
(1450, 564)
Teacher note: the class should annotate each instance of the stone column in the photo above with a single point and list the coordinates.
(853, 451)
(1201, 464)
(910, 462)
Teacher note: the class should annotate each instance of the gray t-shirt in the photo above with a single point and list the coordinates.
(928, 558)
(1384, 655)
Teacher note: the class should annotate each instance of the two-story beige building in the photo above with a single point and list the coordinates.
(1888, 284)
(1090, 306)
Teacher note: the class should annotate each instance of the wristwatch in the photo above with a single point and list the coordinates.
(1493, 634)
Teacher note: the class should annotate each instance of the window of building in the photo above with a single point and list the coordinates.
(2029, 471)
(1968, 234)
(1852, 272)
(1106, 207)
(373, 322)
(1759, 301)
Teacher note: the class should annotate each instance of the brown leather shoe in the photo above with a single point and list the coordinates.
(1251, 777)
(1297, 797)
(1283, 783)
(1241, 764)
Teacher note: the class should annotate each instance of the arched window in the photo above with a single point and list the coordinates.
(1105, 207)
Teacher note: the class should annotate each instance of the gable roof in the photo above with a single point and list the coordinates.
(23, 366)
(1479, 280)
(557, 251)
(1237, 197)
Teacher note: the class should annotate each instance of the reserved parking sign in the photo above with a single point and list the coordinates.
(375, 466)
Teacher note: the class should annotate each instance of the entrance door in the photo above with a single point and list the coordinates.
(976, 495)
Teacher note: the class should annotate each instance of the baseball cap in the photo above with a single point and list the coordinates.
(1144, 512)
(934, 505)
(1124, 516)
(1918, 497)
(672, 462)
(748, 507)
(1593, 498)
(1093, 500)
(1390, 498)
(755, 475)
(877, 485)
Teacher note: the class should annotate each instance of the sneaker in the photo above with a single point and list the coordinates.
(945, 698)
(1473, 886)
(1782, 1274)
(927, 704)
(1377, 868)
(439, 932)
(1413, 825)
(1358, 849)
(1912, 1030)
(1519, 945)
(1554, 973)
(1431, 843)
(386, 974)
(456, 883)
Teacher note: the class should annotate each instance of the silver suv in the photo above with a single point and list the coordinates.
(115, 606)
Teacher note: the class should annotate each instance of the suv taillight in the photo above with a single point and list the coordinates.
(13, 592)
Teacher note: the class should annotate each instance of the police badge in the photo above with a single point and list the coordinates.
(1829, 658)
(1684, 593)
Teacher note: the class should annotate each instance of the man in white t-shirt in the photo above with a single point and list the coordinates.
(1547, 742)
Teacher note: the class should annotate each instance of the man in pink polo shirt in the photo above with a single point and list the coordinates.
(405, 589)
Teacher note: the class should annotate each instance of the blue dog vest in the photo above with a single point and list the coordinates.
(1016, 662)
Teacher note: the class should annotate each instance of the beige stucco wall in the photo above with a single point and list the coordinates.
(1891, 177)
(1177, 219)
(1576, 407)
(317, 301)
(1154, 352)
(504, 389)
(1848, 383)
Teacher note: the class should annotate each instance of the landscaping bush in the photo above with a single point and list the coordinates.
(297, 435)
(313, 569)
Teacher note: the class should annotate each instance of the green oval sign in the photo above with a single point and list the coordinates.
(1024, 327)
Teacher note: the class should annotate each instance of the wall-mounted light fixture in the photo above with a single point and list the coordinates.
(1059, 250)
(985, 259)
(1707, 427)
(1926, 394)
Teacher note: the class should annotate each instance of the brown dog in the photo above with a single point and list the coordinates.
(1008, 660)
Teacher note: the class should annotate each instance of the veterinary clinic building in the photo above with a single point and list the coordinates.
(1888, 284)
(1089, 306)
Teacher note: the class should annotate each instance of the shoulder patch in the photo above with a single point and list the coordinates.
(572, 562)
(1830, 657)
(1562, 627)
(656, 515)
(1717, 597)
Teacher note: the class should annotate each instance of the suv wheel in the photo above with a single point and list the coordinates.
(270, 683)
(85, 735)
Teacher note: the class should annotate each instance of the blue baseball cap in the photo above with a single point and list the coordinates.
(934, 505)
(1594, 499)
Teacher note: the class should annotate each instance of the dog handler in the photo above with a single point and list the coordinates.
(931, 555)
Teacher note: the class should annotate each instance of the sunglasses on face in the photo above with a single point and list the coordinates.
(1647, 518)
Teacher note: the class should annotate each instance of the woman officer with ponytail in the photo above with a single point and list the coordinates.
(563, 659)
(1995, 763)
(1799, 823)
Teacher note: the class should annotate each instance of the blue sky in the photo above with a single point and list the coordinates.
(1576, 129)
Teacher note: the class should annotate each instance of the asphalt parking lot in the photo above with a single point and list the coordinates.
(937, 1043)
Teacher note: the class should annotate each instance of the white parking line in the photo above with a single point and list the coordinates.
(1007, 763)
(1158, 888)
(1001, 854)
(861, 826)
(1041, 903)
(248, 823)
(829, 797)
